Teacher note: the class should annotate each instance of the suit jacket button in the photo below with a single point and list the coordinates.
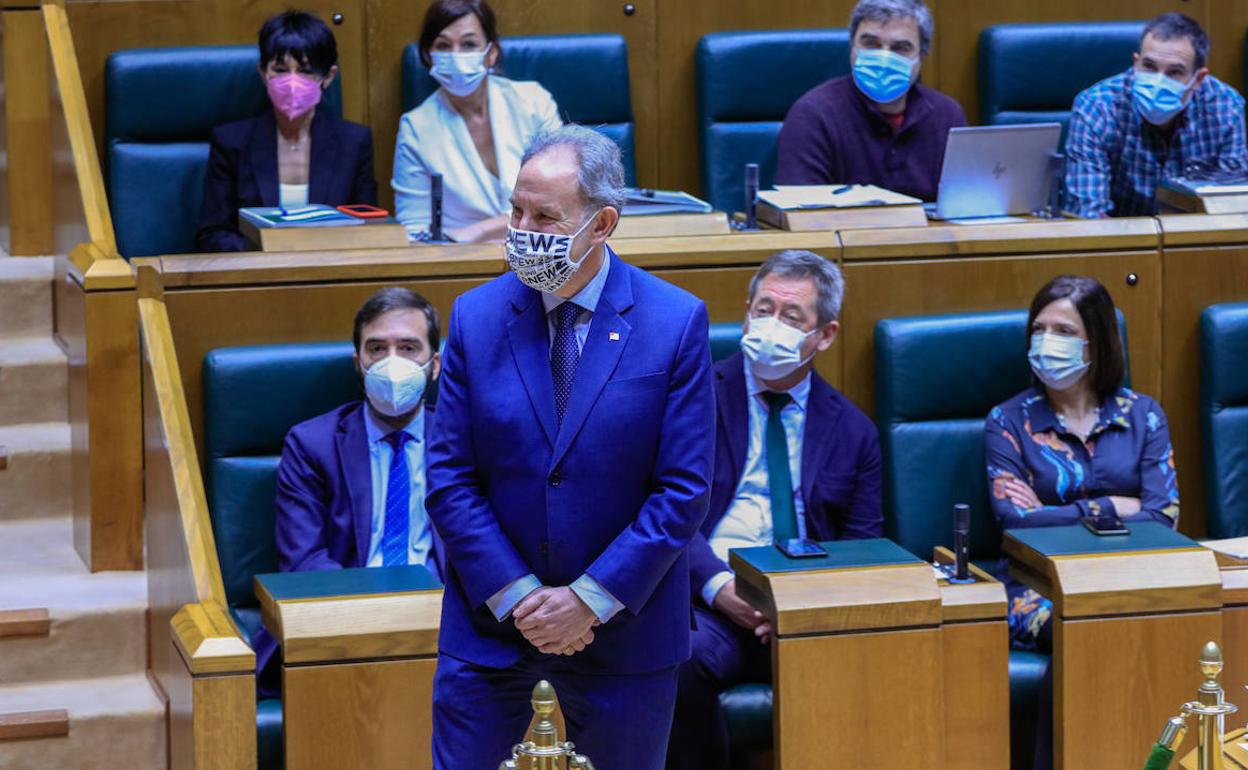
(555, 478)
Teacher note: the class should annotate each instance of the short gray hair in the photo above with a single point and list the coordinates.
(797, 264)
(887, 10)
(600, 170)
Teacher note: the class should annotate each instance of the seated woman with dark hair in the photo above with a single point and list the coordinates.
(293, 154)
(1076, 443)
(473, 130)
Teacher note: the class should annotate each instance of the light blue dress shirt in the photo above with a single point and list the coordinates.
(380, 453)
(597, 598)
(747, 522)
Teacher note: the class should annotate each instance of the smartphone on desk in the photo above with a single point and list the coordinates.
(1105, 525)
(364, 211)
(800, 548)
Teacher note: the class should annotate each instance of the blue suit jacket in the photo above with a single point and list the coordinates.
(242, 172)
(841, 467)
(617, 491)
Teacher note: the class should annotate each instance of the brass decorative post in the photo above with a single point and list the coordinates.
(542, 749)
(1210, 707)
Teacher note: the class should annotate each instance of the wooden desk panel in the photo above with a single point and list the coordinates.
(375, 715)
(876, 290)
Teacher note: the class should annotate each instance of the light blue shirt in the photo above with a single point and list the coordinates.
(597, 598)
(380, 454)
(747, 522)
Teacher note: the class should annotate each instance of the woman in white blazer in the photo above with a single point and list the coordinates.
(473, 130)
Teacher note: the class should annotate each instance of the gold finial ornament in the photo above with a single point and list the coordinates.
(542, 749)
(1210, 707)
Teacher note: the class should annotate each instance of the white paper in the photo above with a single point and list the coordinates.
(791, 197)
(997, 220)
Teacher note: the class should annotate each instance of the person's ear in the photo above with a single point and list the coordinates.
(359, 368)
(1135, 60)
(745, 322)
(1199, 78)
(827, 335)
(491, 56)
(262, 71)
(436, 368)
(333, 73)
(605, 222)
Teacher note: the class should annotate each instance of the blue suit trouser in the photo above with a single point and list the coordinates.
(620, 721)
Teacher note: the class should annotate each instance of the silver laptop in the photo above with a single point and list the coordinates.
(994, 171)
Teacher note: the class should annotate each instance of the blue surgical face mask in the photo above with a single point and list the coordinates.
(460, 73)
(1157, 97)
(1057, 359)
(881, 74)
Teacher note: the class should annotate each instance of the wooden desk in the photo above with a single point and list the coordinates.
(856, 654)
(371, 235)
(1128, 611)
(359, 651)
(1234, 572)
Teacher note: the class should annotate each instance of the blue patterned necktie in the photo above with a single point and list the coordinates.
(394, 538)
(564, 354)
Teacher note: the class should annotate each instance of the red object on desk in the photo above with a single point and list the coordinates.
(364, 211)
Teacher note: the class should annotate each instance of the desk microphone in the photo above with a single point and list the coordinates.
(961, 540)
(435, 208)
(751, 196)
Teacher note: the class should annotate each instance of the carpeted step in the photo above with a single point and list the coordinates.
(96, 623)
(26, 296)
(115, 723)
(36, 480)
(33, 381)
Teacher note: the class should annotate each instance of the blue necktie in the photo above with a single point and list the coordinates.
(564, 354)
(394, 538)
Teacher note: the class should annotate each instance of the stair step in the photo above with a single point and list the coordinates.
(37, 482)
(34, 375)
(33, 622)
(34, 724)
(26, 296)
(115, 723)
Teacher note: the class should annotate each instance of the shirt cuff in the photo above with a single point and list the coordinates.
(597, 598)
(503, 602)
(711, 589)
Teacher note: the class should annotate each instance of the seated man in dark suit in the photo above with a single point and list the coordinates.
(823, 483)
(351, 482)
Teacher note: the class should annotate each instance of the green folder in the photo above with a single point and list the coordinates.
(1076, 540)
(358, 581)
(842, 554)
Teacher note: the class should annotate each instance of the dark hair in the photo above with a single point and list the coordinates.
(444, 13)
(1170, 26)
(396, 298)
(303, 36)
(1096, 308)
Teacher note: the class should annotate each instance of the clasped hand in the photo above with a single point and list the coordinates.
(555, 620)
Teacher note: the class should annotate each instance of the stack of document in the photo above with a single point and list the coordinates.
(836, 207)
(649, 202)
(314, 215)
(794, 197)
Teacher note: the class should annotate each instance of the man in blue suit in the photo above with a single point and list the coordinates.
(569, 469)
(794, 458)
(351, 482)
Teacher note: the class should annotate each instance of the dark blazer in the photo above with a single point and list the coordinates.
(242, 172)
(841, 469)
(616, 491)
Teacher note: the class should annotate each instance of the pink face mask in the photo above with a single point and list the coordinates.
(293, 95)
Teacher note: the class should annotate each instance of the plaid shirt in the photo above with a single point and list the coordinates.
(1115, 158)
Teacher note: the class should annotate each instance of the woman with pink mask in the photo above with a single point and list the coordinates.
(294, 153)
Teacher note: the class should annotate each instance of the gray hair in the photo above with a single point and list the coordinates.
(887, 10)
(600, 170)
(798, 264)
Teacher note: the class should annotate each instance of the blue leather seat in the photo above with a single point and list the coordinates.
(587, 75)
(161, 105)
(1031, 73)
(746, 83)
(1224, 417)
(252, 397)
(937, 378)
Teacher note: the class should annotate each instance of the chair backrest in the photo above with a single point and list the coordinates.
(1224, 417)
(252, 396)
(746, 82)
(161, 105)
(586, 74)
(725, 340)
(1031, 73)
(936, 379)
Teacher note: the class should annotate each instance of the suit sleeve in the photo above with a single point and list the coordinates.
(410, 181)
(633, 564)
(703, 563)
(866, 514)
(1005, 461)
(364, 189)
(218, 214)
(483, 556)
(805, 150)
(301, 511)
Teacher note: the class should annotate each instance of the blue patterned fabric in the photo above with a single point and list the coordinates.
(1127, 454)
(394, 543)
(1116, 159)
(564, 354)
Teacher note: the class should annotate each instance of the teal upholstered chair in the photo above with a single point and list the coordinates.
(252, 397)
(936, 379)
(1018, 62)
(586, 74)
(1224, 417)
(746, 82)
(156, 149)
